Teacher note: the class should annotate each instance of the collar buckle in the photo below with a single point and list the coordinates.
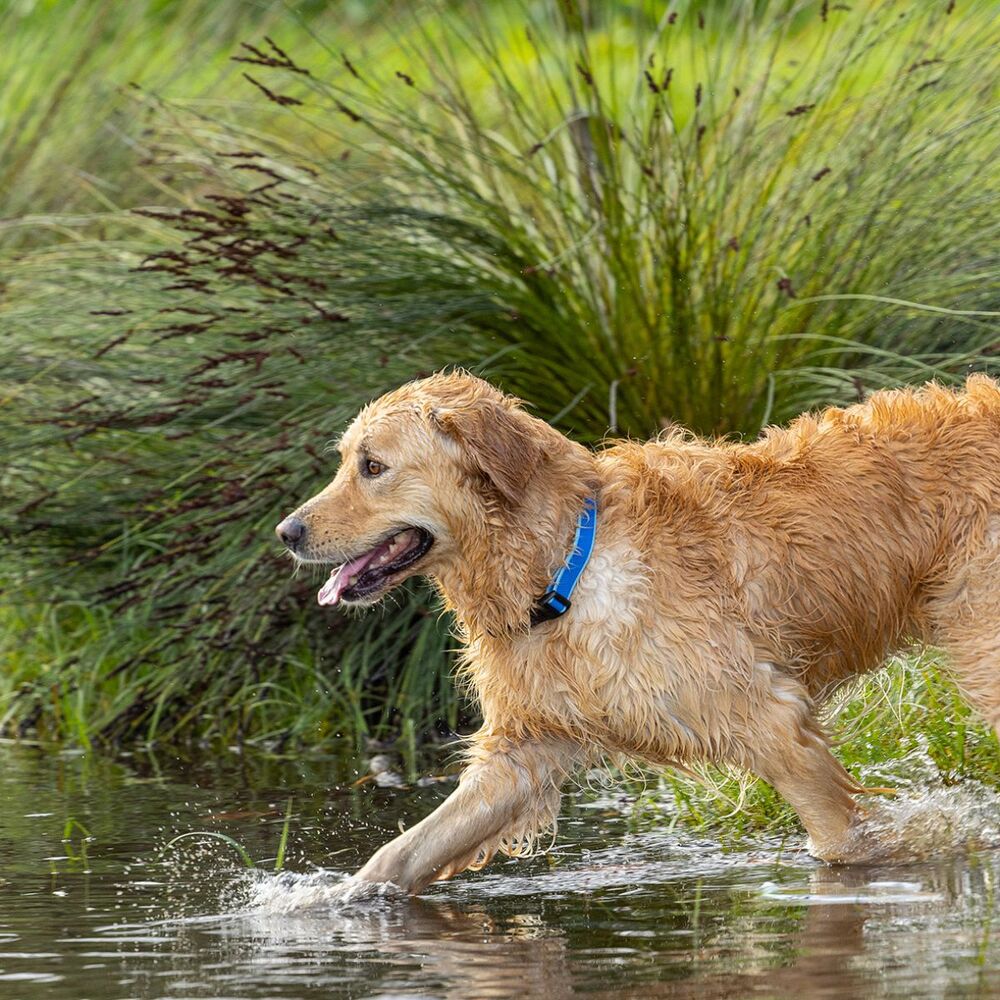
(550, 605)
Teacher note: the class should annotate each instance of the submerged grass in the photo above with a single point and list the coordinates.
(710, 215)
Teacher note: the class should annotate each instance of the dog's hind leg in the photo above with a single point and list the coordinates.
(510, 792)
(966, 617)
(818, 788)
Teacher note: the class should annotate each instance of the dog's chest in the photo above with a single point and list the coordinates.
(612, 590)
(610, 672)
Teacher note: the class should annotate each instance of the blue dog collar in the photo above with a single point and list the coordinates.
(555, 602)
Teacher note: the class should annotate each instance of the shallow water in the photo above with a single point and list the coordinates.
(100, 908)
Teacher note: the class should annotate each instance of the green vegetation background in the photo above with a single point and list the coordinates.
(224, 226)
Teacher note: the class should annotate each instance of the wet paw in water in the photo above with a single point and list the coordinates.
(921, 824)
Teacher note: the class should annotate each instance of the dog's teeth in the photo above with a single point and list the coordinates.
(352, 580)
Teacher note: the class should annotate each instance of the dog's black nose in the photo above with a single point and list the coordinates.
(291, 531)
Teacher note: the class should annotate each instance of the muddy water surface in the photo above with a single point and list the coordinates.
(94, 906)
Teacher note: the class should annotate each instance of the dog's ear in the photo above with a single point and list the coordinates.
(498, 442)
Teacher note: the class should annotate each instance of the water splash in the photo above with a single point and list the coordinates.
(290, 892)
(926, 821)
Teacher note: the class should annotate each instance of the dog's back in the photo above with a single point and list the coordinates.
(840, 535)
(911, 487)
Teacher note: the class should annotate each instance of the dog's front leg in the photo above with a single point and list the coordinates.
(509, 793)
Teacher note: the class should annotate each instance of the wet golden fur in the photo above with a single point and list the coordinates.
(732, 587)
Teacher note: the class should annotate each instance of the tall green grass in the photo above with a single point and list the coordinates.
(147, 598)
(72, 143)
(75, 147)
(629, 218)
(713, 215)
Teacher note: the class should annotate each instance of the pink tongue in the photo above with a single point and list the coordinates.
(340, 578)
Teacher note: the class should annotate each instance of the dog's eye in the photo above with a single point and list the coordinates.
(373, 468)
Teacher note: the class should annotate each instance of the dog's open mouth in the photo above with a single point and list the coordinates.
(368, 573)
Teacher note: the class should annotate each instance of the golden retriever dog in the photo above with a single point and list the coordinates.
(730, 589)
